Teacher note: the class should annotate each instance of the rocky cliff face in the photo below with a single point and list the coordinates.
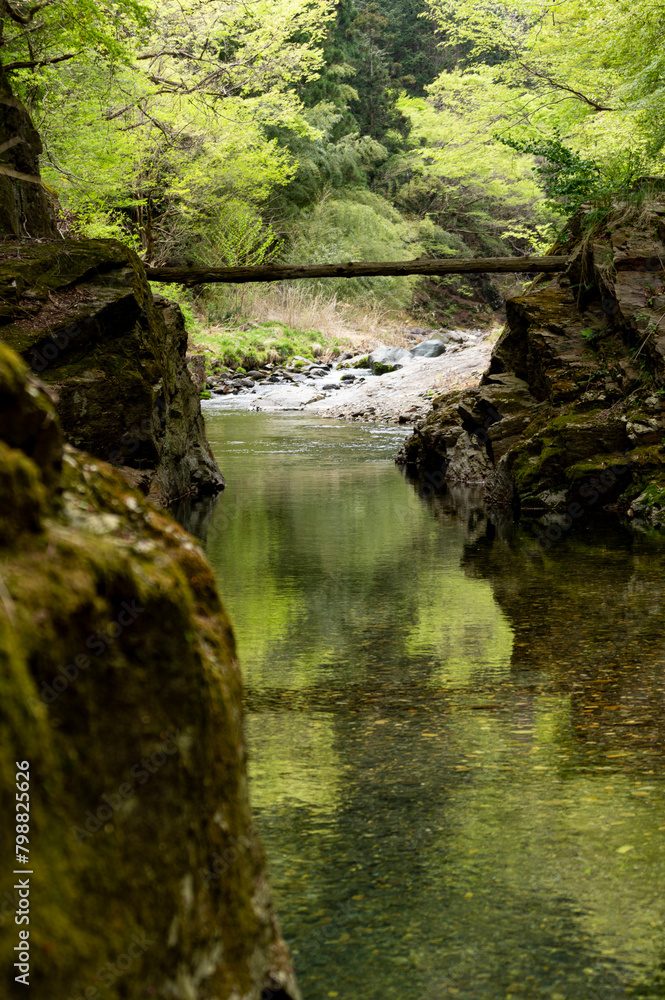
(571, 412)
(119, 687)
(26, 208)
(82, 314)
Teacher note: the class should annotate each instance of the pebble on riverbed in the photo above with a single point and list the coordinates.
(327, 378)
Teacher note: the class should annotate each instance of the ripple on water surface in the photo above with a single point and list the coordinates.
(455, 737)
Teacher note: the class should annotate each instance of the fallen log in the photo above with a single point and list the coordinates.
(351, 269)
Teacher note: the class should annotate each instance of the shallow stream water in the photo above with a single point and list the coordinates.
(455, 736)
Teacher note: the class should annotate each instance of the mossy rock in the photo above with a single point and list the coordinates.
(119, 685)
(82, 314)
(384, 369)
(596, 409)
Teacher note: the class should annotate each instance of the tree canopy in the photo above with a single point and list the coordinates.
(561, 75)
(302, 130)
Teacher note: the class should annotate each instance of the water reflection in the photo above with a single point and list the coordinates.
(195, 514)
(455, 736)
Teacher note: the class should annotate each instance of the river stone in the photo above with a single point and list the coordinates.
(359, 361)
(123, 855)
(82, 314)
(388, 359)
(390, 355)
(428, 349)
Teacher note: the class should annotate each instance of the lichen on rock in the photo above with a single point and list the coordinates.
(119, 685)
(81, 313)
(575, 390)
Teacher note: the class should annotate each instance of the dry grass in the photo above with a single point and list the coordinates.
(255, 324)
(354, 326)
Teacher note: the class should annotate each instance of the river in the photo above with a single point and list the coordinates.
(455, 735)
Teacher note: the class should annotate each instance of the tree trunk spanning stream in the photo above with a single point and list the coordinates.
(291, 272)
(350, 269)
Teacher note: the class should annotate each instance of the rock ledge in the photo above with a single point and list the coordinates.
(81, 313)
(571, 411)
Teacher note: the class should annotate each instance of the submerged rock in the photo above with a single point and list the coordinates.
(82, 314)
(120, 689)
(571, 409)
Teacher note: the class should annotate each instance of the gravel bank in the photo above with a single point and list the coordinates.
(333, 390)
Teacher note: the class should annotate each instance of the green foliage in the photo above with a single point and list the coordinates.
(586, 76)
(357, 225)
(413, 45)
(240, 237)
(325, 164)
(37, 35)
(376, 82)
(243, 349)
(92, 222)
(478, 193)
(315, 130)
(566, 177)
(176, 132)
(361, 78)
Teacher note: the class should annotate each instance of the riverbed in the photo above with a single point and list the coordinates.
(455, 736)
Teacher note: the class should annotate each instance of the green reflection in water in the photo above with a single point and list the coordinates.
(455, 738)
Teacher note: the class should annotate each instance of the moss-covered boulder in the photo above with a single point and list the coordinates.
(120, 690)
(81, 313)
(573, 404)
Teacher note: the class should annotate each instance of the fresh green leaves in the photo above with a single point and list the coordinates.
(567, 178)
(580, 84)
(169, 126)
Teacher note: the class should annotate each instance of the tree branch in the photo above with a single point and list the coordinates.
(562, 86)
(34, 63)
(25, 19)
(109, 116)
(22, 35)
(176, 53)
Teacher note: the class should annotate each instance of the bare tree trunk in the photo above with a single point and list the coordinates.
(239, 275)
